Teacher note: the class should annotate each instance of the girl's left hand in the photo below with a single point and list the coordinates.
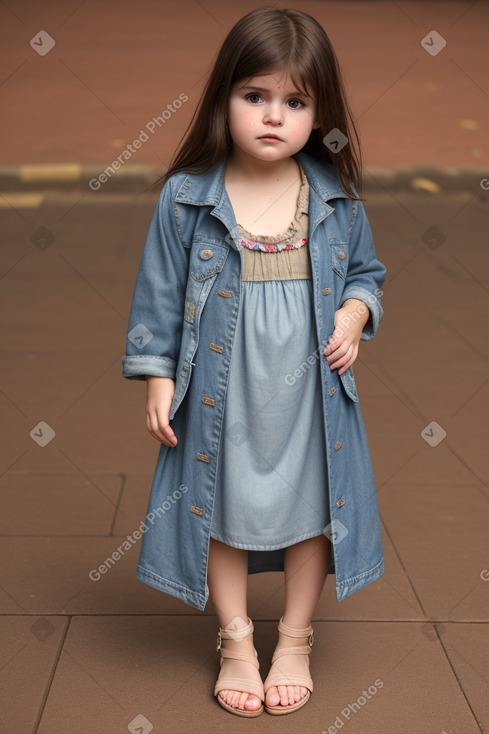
(349, 320)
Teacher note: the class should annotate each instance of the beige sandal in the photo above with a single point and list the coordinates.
(243, 685)
(280, 678)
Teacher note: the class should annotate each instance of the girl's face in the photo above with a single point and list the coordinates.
(269, 118)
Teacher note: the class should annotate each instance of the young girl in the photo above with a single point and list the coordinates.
(257, 281)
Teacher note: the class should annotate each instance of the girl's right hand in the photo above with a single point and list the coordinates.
(159, 396)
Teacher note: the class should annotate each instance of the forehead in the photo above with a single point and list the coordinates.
(276, 81)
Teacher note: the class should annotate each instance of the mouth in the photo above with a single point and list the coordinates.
(270, 137)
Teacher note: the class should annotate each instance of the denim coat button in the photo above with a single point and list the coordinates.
(341, 255)
(332, 391)
(206, 254)
(340, 502)
(326, 291)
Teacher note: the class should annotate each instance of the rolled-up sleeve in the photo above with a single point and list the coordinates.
(366, 274)
(156, 316)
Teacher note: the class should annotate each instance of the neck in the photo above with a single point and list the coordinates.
(256, 171)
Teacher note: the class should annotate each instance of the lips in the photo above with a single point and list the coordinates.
(275, 137)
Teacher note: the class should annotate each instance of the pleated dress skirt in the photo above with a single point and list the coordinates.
(272, 481)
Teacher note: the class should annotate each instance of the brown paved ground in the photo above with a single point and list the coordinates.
(116, 65)
(84, 656)
(80, 656)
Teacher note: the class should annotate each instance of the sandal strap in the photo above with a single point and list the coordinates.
(243, 685)
(281, 679)
(289, 679)
(296, 633)
(299, 650)
(234, 634)
(244, 657)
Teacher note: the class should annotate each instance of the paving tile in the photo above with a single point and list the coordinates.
(51, 576)
(117, 440)
(440, 533)
(113, 669)
(428, 465)
(100, 428)
(57, 325)
(32, 584)
(29, 649)
(390, 597)
(58, 504)
(426, 351)
(468, 433)
(133, 506)
(466, 646)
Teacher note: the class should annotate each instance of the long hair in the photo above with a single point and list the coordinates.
(263, 41)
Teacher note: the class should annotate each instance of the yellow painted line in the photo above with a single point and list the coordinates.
(425, 184)
(60, 172)
(467, 124)
(20, 201)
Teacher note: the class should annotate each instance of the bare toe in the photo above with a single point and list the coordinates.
(272, 696)
(252, 703)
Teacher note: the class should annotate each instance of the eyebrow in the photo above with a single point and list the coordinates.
(263, 89)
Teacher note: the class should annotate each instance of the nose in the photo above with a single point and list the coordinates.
(273, 114)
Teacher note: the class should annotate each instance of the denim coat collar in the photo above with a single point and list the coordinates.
(208, 189)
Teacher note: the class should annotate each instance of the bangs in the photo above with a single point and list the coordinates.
(257, 59)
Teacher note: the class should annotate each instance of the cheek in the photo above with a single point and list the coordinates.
(304, 125)
(235, 115)
(240, 120)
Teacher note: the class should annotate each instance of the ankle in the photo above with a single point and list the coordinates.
(298, 624)
(238, 627)
(237, 635)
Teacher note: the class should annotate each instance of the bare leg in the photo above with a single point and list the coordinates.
(227, 578)
(306, 568)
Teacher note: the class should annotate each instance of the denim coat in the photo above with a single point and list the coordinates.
(182, 324)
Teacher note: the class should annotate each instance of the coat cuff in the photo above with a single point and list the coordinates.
(373, 303)
(137, 366)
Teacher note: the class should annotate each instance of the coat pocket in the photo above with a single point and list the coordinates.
(206, 259)
(348, 382)
(339, 257)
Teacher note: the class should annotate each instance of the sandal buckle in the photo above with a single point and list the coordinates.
(219, 641)
(311, 638)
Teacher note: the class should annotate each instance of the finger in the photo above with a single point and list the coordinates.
(338, 352)
(342, 359)
(334, 342)
(161, 430)
(350, 360)
(168, 435)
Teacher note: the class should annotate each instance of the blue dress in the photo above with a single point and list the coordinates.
(272, 480)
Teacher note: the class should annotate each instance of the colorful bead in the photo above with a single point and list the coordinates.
(253, 245)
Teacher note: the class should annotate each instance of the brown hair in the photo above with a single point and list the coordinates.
(267, 40)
